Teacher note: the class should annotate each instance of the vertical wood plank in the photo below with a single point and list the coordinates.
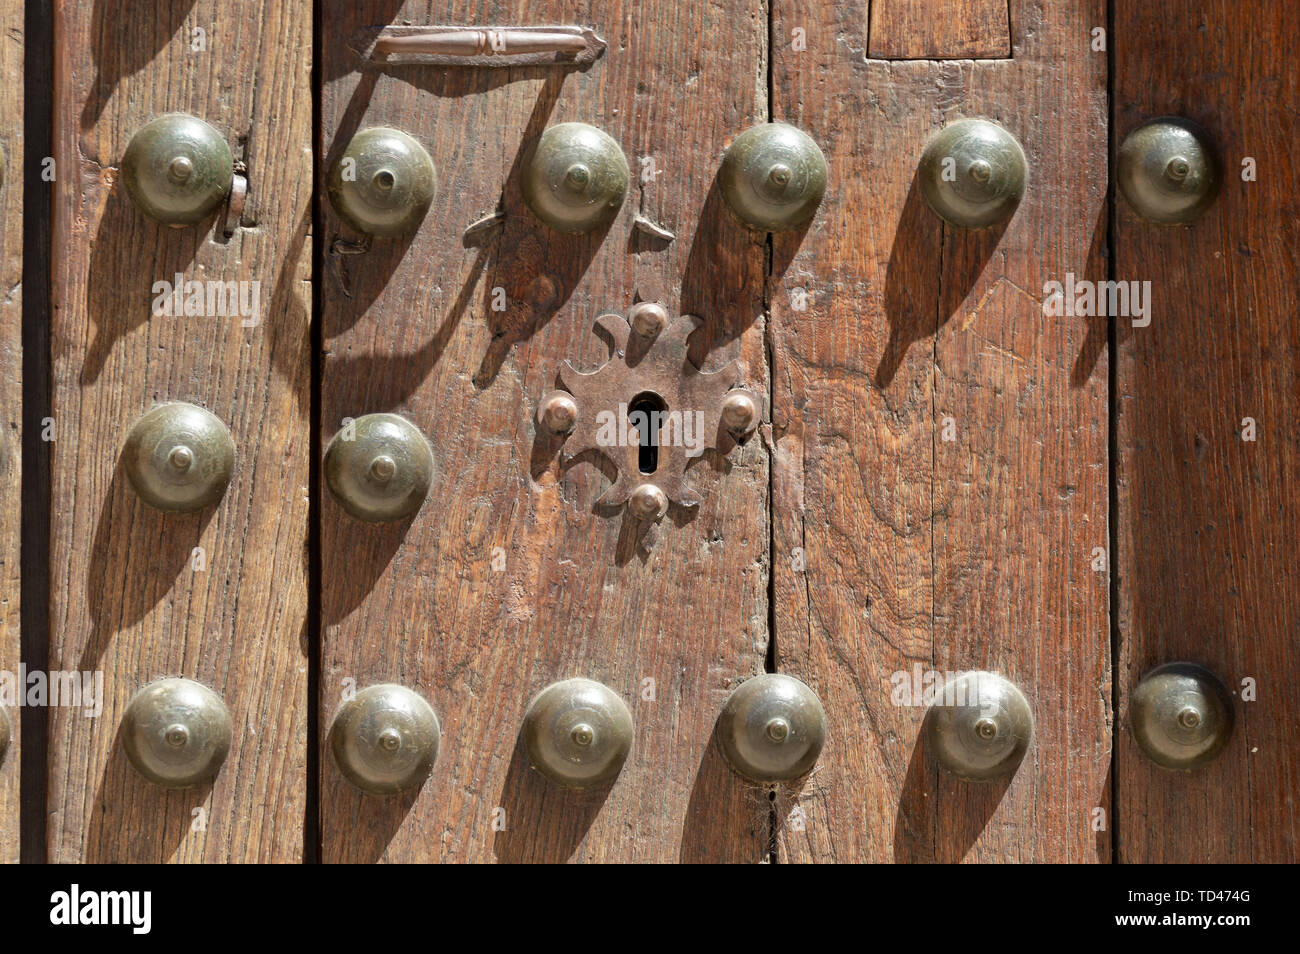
(125, 599)
(921, 553)
(1209, 523)
(412, 331)
(11, 377)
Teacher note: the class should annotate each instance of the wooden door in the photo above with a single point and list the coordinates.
(510, 578)
(949, 474)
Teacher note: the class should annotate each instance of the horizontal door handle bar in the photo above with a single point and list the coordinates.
(479, 46)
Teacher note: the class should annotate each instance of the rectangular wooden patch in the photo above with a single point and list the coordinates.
(939, 30)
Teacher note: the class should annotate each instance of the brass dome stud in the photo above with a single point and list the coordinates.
(379, 468)
(176, 732)
(385, 739)
(177, 169)
(1181, 716)
(773, 177)
(179, 457)
(772, 728)
(383, 183)
(578, 733)
(1168, 171)
(979, 727)
(972, 173)
(575, 178)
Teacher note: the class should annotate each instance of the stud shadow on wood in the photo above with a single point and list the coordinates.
(370, 548)
(371, 821)
(545, 822)
(127, 36)
(130, 253)
(137, 556)
(287, 323)
(720, 248)
(147, 823)
(1098, 325)
(939, 816)
(727, 818)
(932, 268)
(391, 379)
(538, 267)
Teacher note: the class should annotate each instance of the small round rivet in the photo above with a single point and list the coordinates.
(385, 739)
(179, 457)
(972, 173)
(772, 728)
(383, 182)
(177, 169)
(979, 727)
(379, 468)
(575, 178)
(647, 502)
(1181, 715)
(558, 412)
(176, 732)
(773, 177)
(577, 733)
(739, 412)
(1168, 171)
(648, 318)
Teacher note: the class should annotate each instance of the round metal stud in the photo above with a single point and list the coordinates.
(773, 177)
(383, 182)
(575, 178)
(558, 412)
(177, 169)
(973, 173)
(6, 733)
(577, 733)
(739, 412)
(379, 468)
(772, 728)
(980, 726)
(648, 318)
(179, 457)
(1181, 715)
(1168, 171)
(176, 732)
(647, 502)
(385, 739)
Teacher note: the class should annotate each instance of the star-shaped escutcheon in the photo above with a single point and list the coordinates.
(649, 410)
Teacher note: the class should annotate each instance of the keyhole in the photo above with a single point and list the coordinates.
(645, 413)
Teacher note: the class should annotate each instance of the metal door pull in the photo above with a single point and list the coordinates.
(479, 46)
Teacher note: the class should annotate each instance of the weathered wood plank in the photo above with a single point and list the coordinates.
(939, 29)
(948, 555)
(420, 603)
(11, 381)
(125, 599)
(1208, 522)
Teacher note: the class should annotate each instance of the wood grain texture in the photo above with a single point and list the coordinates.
(1209, 523)
(412, 331)
(939, 29)
(124, 599)
(11, 380)
(953, 555)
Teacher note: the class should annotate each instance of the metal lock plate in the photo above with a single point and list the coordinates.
(684, 411)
